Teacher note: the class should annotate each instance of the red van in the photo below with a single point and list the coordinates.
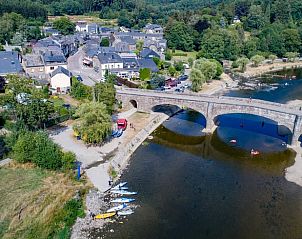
(121, 124)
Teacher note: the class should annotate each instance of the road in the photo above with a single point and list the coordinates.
(75, 65)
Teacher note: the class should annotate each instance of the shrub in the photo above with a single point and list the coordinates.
(24, 146)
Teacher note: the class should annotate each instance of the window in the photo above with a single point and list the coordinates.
(52, 67)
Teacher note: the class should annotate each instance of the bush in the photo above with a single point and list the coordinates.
(37, 148)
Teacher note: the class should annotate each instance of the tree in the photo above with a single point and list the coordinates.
(179, 36)
(257, 59)
(219, 68)
(157, 81)
(168, 56)
(94, 123)
(207, 68)
(179, 66)
(242, 63)
(255, 18)
(105, 42)
(272, 57)
(212, 45)
(172, 70)
(105, 93)
(292, 40)
(292, 56)
(191, 62)
(64, 25)
(79, 90)
(197, 79)
(144, 73)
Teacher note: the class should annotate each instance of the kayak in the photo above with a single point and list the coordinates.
(105, 215)
(122, 200)
(123, 192)
(119, 186)
(117, 208)
(233, 141)
(255, 152)
(125, 212)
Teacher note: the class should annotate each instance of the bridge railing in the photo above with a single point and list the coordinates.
(218, 99)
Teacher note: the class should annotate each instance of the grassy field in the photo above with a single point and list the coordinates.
(87, 18)
(183, 56)
(32, 203)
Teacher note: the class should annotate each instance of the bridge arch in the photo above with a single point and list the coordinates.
(133, 103)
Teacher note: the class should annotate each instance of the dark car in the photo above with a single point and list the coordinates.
(160, 89)
(183, 77)
(79, 78)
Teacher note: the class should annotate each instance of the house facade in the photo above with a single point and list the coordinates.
(60, 81)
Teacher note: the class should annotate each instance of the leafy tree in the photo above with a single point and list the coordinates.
(179, 36)
(219, 68)
(292, 56)
(255, 18)
(24, 148)
(172, 70)
(105, 42)
(242, 63)
(207, 68)
(250, 46)
(212, 45)
(168, 56)
(144, 73)
(272, 57)
(179, 66)
(79, 90)
(257, 59)
(292, 40)
(157, 81)
(64, 25)
(197, 79)
(94, 123)
(191, 62)
(105, 93)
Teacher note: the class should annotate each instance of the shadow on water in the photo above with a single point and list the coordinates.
(193, 186)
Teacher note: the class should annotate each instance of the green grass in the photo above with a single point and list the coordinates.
(183, 56)
(57, 101)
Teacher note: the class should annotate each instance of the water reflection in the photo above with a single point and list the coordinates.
(193, 186)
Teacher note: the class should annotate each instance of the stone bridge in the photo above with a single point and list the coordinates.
(212, 106)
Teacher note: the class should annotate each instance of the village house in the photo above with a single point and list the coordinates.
(60, 80)
(10, 63)
(153, 29)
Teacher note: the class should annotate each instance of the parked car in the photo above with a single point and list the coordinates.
(160, 89)
(183, 77)
(180, 90)
(79, 78)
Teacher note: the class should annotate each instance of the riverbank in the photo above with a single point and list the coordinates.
(269, 68)
(218, 85)
(294, 173)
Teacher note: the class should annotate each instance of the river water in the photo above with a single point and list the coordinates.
(192, 185)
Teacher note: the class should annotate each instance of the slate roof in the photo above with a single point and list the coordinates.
(60, 70)
(92, 28)
(54, 57)
(33, 60)
(128, 40)
(148, 63)
(148, 53)
(106, 58)
(152, 26)
(9, 63)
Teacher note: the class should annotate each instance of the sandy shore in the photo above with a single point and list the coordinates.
(217, 85)
(267, 68)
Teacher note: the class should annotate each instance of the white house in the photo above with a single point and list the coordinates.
(60, 80)
(81, 26)
(108, 62)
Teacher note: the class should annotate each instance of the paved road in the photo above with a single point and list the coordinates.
(75, 65)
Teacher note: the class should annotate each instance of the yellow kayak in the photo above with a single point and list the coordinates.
(105, 215)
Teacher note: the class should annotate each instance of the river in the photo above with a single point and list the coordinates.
(192, 185)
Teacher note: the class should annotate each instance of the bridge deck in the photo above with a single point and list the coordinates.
(283, 108)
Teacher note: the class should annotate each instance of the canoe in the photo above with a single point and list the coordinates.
(125, 212)
(122, 200)
(105, 215)
(117, 208)
(123, 192)
(119, 186)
